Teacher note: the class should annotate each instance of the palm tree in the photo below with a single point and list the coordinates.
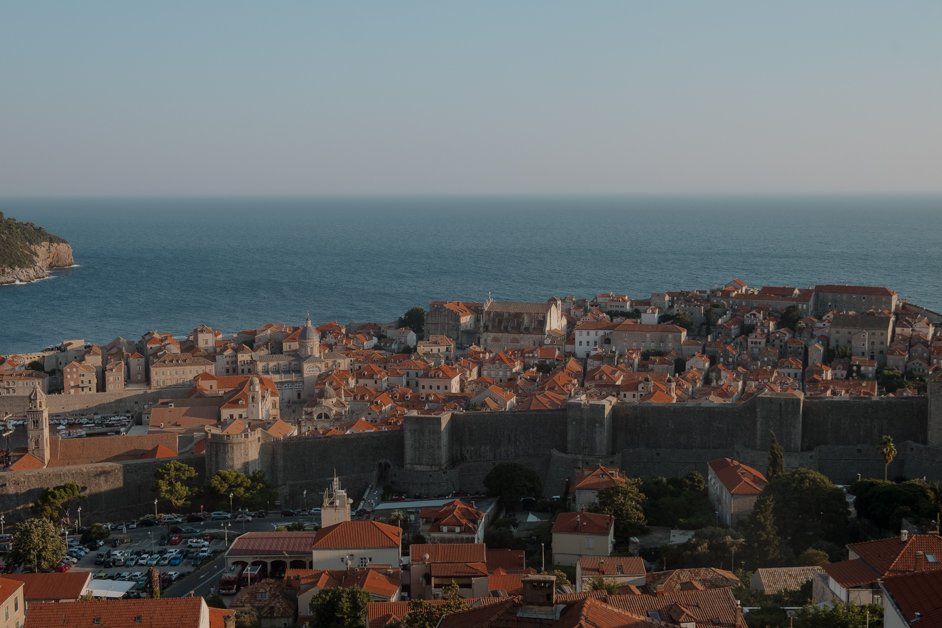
(888, 450)
(398, 516)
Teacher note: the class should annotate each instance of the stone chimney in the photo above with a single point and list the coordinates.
(919, 564)
(903, 536)
(539, 598)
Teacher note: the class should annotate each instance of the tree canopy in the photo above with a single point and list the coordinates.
(762, 539)
(776, 458)
(888, 451)
(174, 482)
(625, 502)
(37, 542)
(248, 491)
(424, 615)
(414, 319)
(511, 482)
(340, 607)
(885, 503)
(53, 503)
(790, 317)
(681, 502)
(808, 509)
(839, 616)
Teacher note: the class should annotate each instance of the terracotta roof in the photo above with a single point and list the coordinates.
(710, 607)
(272, 543)
(458, 570)
(780, 579)
(612, 565)
(852, 573)
(217, 617)
(582, 612)
(583, 523)
(8, 588)
(918, 593)
(693, 578)
(448, 552)
(357, 535)
(508, 560)
(27, 462)
(891, 556)
(598, 478)
(867, 290)
(738, 478)
(80, 451)
(510, 584)
(280, 429)
(166, 612)
(455, 513)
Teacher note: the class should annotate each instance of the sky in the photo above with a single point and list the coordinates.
(526, 97)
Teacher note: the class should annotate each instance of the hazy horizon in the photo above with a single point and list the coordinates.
(111, 99)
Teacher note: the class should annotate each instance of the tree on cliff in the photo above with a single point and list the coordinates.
(511, 482)
(625, 502)
(174, 483)
(37, 542)
(414, 319)
(340, 607)
(776, 459)
(808, 510)
(53, 503)
(888, 451)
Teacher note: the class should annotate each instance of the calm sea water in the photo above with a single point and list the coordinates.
(171, 264)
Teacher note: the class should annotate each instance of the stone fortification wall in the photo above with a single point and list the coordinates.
(500, 436)
(682, 427)
(308, 463)
(115, 491)
(239, 452)
(861, 421)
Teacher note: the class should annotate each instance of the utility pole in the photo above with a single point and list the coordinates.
(542, 558)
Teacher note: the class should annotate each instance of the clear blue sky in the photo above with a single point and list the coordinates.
(541, 97)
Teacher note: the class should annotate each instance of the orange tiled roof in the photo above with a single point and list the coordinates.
(599, 478)
(357, 535)
(738, 478)
(891, 556)
(447, 552)
(582, 523)
(612, 565)
(50, 587)
(148, 613)
(27, 462)
(8, 587)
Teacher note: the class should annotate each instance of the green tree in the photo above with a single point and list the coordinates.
(790, 317)
(888, 451)
(808, 510)
(625, 502)
(53, 503)
(885, 503)
(414, 319)
(709, 547)
(339, 608)
(511, 482)
(261, 492)
(776, 458)
(562, 580)
(37, 542)
(251, 490)
(599, 583)
(762, 542)
(174, 482)
(95, 532)
(424, 615)
(812, 557)
(839, 616)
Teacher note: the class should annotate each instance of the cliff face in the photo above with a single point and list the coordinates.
(47, 255)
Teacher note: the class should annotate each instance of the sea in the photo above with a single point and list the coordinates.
(172, 263)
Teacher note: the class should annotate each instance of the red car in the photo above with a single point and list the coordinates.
(174, 539)
(61, 567)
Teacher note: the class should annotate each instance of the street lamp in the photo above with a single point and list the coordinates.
(230, 502)
(304, 496)
(2, 519)
(78, 525)
(155, 508)
(225, 530)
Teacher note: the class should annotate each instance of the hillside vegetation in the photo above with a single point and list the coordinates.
(17, 240)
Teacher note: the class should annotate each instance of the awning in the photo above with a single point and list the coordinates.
(109, 588)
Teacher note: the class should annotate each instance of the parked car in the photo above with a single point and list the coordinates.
(261, 514)
(189, 530)
(176, 559)
(63, 566)
(174, 539)
(243, 517)
(220, 515)
(288, 513)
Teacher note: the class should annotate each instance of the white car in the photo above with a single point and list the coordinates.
(243, 517)
(197, 543)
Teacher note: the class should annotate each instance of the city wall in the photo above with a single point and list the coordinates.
(449, 453)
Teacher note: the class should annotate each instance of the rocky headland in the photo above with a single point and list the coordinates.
(28, 252)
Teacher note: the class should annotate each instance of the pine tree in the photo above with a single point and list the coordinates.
(762, 540)
(776, 458)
